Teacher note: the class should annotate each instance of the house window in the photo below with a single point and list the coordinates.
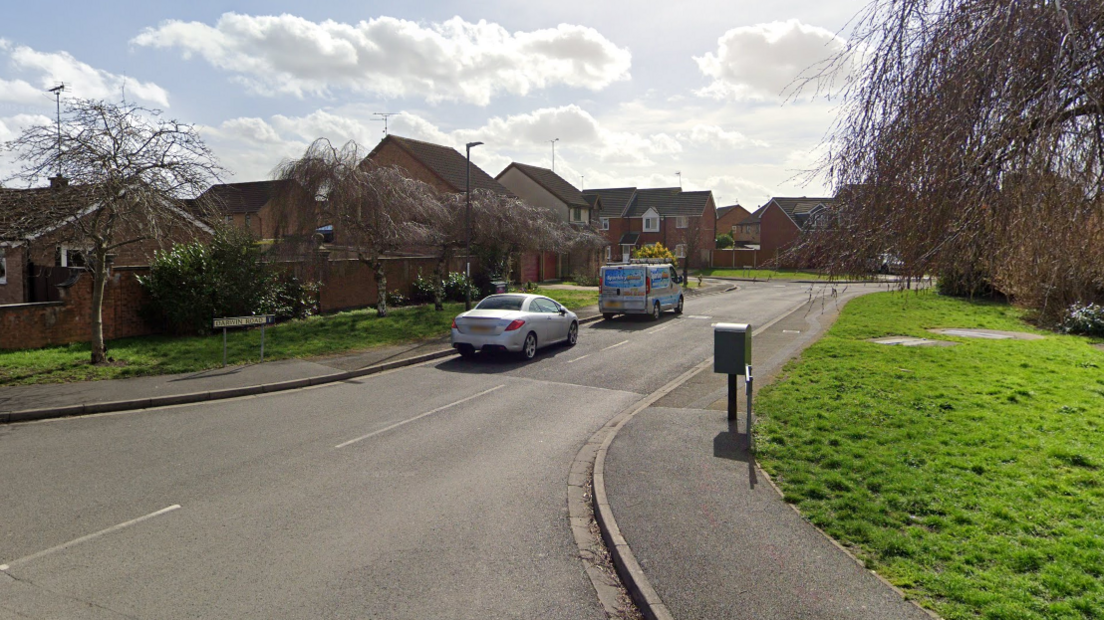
(603, 223)
(608, 253)
(229, 219)
(680, 250)
(65, 256)
(651, 224)
(682, 221)
(248, 222)
(4, 266)
(577, 215)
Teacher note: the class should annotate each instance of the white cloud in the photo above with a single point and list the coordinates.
(714, 136)
(80, 79)
(730, 189)
(762, 61)
(453, 61)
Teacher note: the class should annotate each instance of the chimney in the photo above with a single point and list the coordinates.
(58, 182)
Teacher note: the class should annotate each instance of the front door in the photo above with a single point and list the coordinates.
(626, 252)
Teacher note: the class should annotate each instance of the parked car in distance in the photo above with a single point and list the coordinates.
(514, 322)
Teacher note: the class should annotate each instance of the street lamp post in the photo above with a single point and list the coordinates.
(467, 193)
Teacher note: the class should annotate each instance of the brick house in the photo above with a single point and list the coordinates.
(544, 188)
(33, 242)
(779, 222)
(728, 218)
(445, 168)
(247, 206)
(632, 218)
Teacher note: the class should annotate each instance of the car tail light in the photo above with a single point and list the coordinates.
(647, 283)
(515, 324)
(454, 323)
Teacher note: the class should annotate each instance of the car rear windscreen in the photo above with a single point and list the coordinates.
(501, 302)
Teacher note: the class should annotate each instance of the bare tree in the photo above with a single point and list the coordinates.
(971, 145)
(372, 208)
(131, 168)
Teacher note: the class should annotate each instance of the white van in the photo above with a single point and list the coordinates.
(639, 288)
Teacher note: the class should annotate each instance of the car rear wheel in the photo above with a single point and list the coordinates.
(656, 311)
(572, 334)
(607, 316)
(678, 308)
(529, 349)
(466, 350)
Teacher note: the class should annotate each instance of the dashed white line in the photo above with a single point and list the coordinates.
(614, 346)
(657, 329)
(417, 417)
(578, 358)
(84, 539)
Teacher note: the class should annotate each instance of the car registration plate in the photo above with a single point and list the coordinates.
(613, 304)
(481, 329)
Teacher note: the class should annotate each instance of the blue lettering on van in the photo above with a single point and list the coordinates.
(623, 278)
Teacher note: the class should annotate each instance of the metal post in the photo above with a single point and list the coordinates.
(733, 414)
(748, 384)
(262, 343)
(224, 347)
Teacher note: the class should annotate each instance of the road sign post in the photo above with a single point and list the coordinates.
(227, 322)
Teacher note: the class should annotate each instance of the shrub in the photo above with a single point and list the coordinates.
(657, 250)
(582, 279)
(421, 291)
(396, 298)
(455, 286)
(725, 241)
(289, 298)
(1087, 319)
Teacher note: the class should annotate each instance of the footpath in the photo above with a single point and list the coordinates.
(703, 533)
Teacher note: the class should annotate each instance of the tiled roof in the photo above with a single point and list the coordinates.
(234, 198)
(614, 200)
(446, 162)
(798, 209)
(24, 212)
(554, 183)
(723, 211)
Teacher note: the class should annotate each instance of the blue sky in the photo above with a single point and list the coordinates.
(635, 91)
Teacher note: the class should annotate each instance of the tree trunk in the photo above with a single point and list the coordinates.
(439, 280)
(99, 280)
(381, 288)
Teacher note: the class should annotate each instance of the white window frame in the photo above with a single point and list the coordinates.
(680, 250)
(682, 221)
(3, 267)
(248, 221)
(609, 253)
(65, 249)
(603, 223)
(577, 214)
(229, 219)
(654, 224)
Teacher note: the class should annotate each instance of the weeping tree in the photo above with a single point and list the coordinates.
(971, 145)
(372, 209)
(121, 172)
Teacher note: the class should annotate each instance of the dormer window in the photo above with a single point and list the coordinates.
(603, 223)
(651, 223)
(577, 215)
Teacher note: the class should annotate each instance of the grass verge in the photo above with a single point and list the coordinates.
(344, 332)
(969, 476)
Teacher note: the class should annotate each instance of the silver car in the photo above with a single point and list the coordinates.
(516, 323)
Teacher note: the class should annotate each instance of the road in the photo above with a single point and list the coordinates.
(436, 491)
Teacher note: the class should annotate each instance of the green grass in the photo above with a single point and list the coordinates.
(972, 476)
(763, 274)
(343, 332)
(571, 298)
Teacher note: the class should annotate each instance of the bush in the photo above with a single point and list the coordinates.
(657, 250)
(455, 286)
(396, 298)
(725, 241)
(582, 279)
(1087, 319)
(192, 283)
(421, 291)
(289, 298)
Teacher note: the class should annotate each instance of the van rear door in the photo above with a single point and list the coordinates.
(624, 289)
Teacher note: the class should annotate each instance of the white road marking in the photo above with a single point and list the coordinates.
(84, 539)
(657, 329)
(417, 417)
(790, 331)
(613, 346)
(578, 358)
(699, 316)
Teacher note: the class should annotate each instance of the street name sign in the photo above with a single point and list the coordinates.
(244, 321)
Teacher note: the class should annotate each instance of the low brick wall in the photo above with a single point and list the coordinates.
(28, 326)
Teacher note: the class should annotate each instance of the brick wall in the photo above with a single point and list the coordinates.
(25, 326)
(348, 284)
(14, 291)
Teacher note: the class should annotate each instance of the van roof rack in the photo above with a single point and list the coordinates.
(649, 261)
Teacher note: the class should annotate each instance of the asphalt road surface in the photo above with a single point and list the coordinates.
(436, 491)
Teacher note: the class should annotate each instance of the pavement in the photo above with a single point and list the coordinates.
(695, 528)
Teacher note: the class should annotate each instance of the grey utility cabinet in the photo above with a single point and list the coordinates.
(731, 348)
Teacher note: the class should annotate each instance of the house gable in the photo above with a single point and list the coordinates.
(441, 166)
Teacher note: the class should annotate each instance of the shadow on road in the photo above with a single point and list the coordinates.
(497, 362)
(632, 322)
(734, 446)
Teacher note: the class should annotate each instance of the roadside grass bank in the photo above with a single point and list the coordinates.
(343, 332)
(969, 476)
(763, 274)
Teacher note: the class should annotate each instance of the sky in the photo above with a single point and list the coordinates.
(635, 92)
